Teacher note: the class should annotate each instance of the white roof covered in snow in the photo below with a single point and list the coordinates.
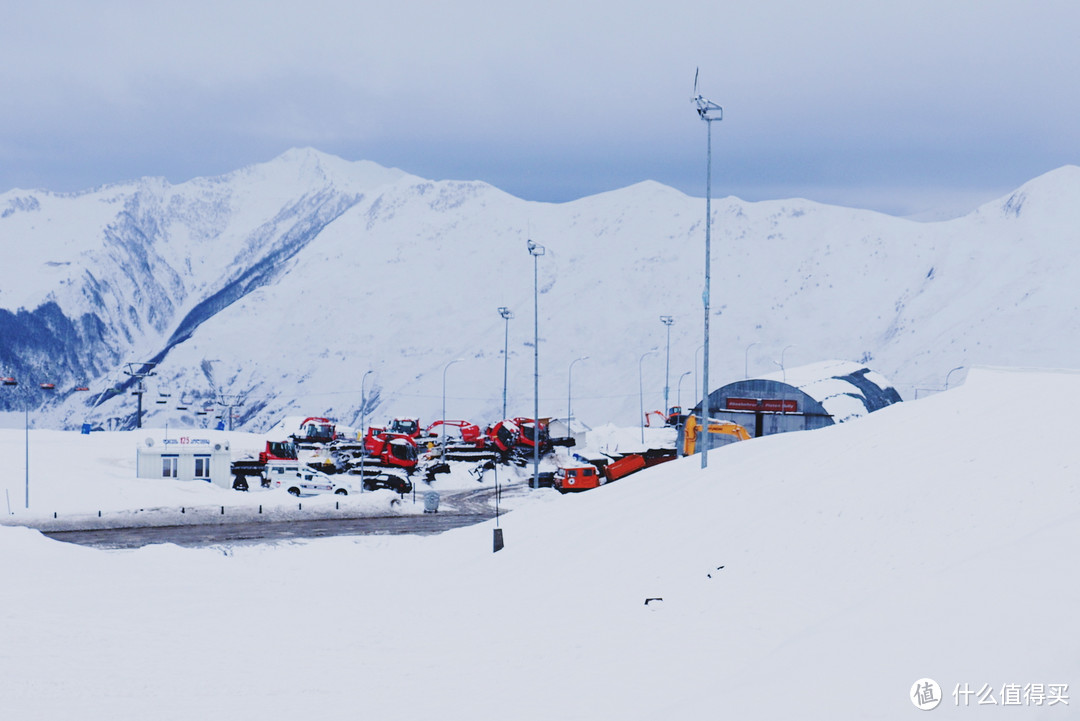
(837, 396)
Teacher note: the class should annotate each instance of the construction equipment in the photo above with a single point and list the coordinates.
(405, 426)
(533, 433)
(504, 435)
(314, 431)
(726, 432)
(464, 441)
(277, 454)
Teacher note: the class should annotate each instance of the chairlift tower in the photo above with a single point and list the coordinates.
(137, 372)
(229, 401)
(710, 112)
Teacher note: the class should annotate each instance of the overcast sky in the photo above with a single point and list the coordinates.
(902, 107)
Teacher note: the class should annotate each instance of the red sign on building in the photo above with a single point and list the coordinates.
(771, 405)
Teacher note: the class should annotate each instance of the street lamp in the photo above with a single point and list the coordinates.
(26, 427)
(949, 374)
(641, 392)
(445, 368)
(536, 250)
(363, 412)
(710, 112)
(783, 371)
(746, 359)
(569, 380)
(679, 384)
(507, 314)
(667, 320)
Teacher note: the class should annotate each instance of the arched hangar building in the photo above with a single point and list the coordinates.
(803, 398)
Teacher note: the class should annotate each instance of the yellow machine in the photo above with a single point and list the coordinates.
(724, 428)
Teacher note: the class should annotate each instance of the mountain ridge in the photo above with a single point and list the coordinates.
(298, 275)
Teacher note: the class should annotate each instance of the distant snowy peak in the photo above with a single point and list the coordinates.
(1053, 194)
(307, 167)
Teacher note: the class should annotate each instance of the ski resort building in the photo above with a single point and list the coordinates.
(184, 458)
(803, 398)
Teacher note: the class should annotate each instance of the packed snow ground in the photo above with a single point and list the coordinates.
(810, 575)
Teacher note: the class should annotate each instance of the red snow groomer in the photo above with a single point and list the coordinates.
(405, 426)
(385, 448)
(315, 431)
(533, 433)
(504, 436)
(464, 441)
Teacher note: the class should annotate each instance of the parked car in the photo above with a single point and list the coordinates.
(303, 481)
(394, 482)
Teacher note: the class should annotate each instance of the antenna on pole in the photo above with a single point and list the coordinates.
(705, 106)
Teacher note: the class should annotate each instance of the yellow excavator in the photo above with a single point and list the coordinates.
(692, 430)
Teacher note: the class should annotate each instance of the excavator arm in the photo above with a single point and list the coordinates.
(692, 430)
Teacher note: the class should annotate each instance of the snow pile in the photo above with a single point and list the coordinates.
(810, 575)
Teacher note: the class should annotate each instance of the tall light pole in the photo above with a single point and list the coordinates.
(746, 360)
(445, 368)
(949, 374)
(507, 314)
(679, 384)
(667, 320)
(26, 427)
(710, 112)
(536, 250)
(783, 371)
(363, 412)
(363, 401)
(641, 392)
(569, 386)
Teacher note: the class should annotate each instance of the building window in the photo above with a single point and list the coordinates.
(202, 466)
(168, 466)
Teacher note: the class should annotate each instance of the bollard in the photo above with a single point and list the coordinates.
(181, 509)
(260, 508)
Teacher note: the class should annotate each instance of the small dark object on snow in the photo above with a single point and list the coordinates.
(650, 600)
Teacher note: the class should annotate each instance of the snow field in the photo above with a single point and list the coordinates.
(929, 539)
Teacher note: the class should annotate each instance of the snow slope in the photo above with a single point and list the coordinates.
(811, 575)
(282, 284)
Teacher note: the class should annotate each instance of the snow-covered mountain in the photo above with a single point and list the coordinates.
(282, 284)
